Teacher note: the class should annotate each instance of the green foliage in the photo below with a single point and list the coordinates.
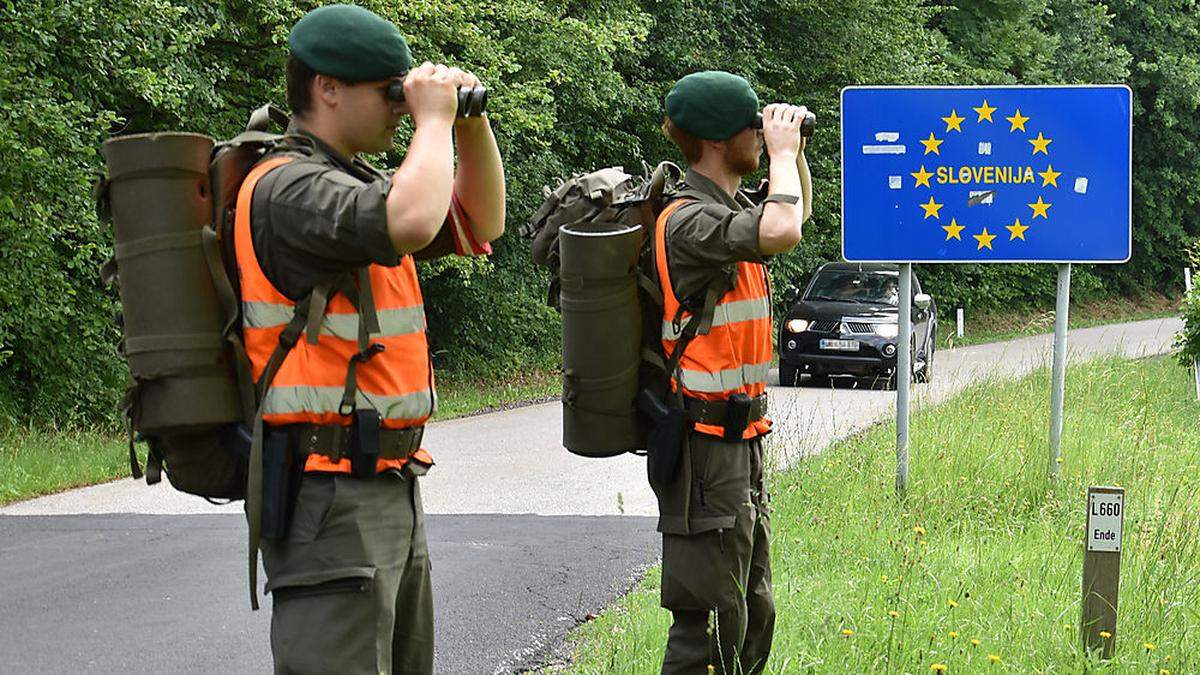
(579, 85)
(1187, 341)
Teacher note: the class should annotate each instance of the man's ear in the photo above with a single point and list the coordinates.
(327, 90)
(715, 148)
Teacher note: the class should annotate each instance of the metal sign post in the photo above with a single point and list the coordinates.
(903, 378)
(1058, 373)
(983, 174)
(1102, 569)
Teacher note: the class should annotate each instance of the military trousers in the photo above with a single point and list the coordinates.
(717, 583)
(351, 581)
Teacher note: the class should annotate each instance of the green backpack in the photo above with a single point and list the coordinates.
(595, 235)
(170, 198)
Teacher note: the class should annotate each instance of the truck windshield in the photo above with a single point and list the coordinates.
(851, 286)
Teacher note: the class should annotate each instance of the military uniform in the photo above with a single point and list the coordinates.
(714, 514)
(349, 573)
(351, 579)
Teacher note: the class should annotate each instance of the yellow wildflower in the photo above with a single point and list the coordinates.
(884, 578)
(1105, 634)
(847, 632)
(1163, 671)
(938, 667)
(974, 642)
(1149, 646)
(953, 604)
(919, 530)
(893, 614)
(924, 543)
(994, 658)
(953, 635)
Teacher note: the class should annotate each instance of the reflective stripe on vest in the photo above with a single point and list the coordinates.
(735, 355)
(397, 382)
(400, 321)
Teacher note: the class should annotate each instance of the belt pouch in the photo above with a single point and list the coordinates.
(737, 416)
(276, 486)
(665, 438)
(364, 443)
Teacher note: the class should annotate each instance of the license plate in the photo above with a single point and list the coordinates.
(840, 345)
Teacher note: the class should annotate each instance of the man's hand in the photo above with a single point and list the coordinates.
(781, 129)
(431, 92)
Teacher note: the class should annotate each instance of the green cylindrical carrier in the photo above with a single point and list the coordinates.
(160, 201)
(602, 334)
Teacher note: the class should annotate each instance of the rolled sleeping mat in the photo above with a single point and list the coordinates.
(160, 200)
(602, 337)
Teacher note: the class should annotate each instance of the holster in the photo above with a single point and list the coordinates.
(364, 443)
(737, 416)
(665, 440)
(282, 472)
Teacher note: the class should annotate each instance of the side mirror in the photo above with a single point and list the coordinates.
(922, 300)
(793, 294)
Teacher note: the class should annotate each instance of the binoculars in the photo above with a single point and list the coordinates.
(806, 127)
(472, 101)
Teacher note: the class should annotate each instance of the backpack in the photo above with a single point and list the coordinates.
(594, 233)
(170, 198)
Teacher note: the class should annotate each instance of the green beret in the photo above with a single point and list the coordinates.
(712, 105)
(350, 43)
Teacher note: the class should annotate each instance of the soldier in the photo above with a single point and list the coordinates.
(714, 246)
(318, 226)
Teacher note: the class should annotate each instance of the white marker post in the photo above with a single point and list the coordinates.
(903, 378)
(959, 320)
(1102, 569)
(1058, 374)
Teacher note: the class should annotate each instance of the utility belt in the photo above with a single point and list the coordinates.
(669, 425)
(286, 449)
(733, 414)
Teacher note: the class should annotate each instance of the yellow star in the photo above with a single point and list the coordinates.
(985, 112)
(922, 177)
(953, 122)
(1040, 144)
(1040, 208)
(931, 209)
(931, 144)
(953, 230)
(1018, 121)
(984, 239)
(1017, 230)
(1049, 176)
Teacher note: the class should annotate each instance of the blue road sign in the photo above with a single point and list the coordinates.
(987, 174)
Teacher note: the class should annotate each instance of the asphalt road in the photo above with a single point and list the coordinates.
(527, 538)
(166, 594)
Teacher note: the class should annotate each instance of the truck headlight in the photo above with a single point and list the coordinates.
(796, 325)
(887, 330)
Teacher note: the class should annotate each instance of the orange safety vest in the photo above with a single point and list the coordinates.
(735, 355)
(307, 389)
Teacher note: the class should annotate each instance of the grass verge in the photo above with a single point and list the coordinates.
(37, 461)
(999, 326)
(978, 570)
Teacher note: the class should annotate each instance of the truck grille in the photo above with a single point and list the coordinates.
(823, 326)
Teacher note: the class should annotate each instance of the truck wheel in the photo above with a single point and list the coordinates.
(788, 375)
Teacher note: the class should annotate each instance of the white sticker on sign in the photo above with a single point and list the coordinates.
(1105, 514)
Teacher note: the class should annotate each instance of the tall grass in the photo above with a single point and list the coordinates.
(979, 569)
